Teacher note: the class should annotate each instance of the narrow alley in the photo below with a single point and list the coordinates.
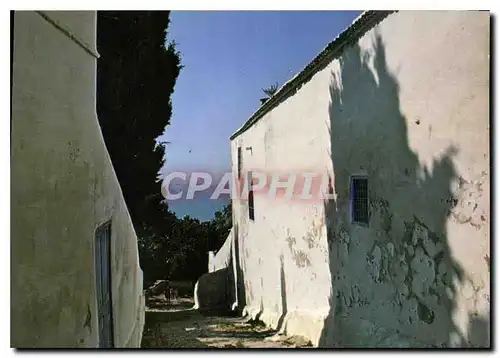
(178, 325)
(250, 179)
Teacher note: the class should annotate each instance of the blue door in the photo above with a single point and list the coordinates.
(103, 284)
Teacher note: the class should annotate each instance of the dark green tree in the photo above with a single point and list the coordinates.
(221, 226)
(136, 74)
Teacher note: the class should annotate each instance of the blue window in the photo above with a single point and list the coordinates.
(359, 200)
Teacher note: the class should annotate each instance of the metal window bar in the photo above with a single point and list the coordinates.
(251, 210)
(359, 200)
(239, 162)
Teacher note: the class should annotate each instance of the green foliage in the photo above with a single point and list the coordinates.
(183, 253)
(136, 75)
(221, 225)
(270, 91)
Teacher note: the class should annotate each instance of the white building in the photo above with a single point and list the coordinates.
(76, 280)
(396, 111)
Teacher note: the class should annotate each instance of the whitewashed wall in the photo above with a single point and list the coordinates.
(408, 105)
(63, 187)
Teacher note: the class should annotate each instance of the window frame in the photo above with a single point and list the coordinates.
(251, 200)
(240, 161)
(352, 202)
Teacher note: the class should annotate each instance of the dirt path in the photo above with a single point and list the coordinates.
(179, 326)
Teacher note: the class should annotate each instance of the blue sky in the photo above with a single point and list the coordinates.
(229, 57)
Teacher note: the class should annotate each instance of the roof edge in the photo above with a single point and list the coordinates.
(359, 26)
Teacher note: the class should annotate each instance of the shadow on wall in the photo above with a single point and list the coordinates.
(392, 281)
(211, 291)
(284, 308)
(240, 280)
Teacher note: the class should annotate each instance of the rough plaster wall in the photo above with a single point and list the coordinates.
(408, 106)
(63, 187)
(215, 289)
(428, 238)
(274, 288)
(211, 290)
(223, 257)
